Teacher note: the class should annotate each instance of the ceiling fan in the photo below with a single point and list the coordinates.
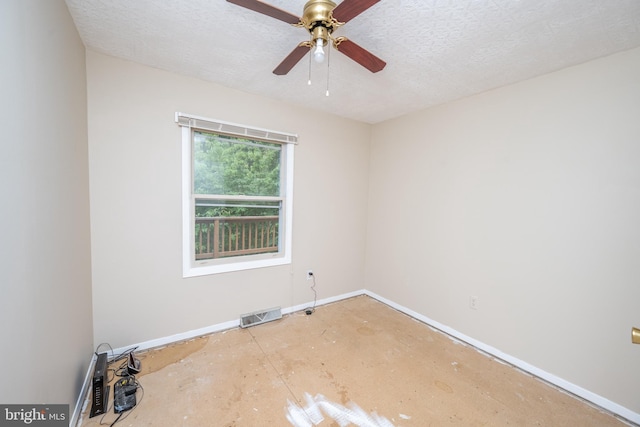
(320, 18)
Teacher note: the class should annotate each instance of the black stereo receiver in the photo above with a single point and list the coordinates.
(99, 387)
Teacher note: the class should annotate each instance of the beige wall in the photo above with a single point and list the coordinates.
(527, 197)
(134, 149)
(45, 279)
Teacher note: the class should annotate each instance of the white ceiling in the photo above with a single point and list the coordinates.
(436, 50)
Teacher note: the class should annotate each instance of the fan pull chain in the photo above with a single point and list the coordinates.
(310, 54)
(328, 60)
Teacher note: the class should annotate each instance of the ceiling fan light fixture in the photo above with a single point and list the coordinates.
(319, 38)
(318, 54)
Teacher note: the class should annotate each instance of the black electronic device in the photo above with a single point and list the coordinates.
(133, 364)
(124, 394)
(99, 387)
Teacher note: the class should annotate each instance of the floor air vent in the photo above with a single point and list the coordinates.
(258, 317)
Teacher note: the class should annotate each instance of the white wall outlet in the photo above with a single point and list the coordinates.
(473, 302)
(309, 274)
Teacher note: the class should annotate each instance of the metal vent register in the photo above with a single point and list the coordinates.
(258, 317)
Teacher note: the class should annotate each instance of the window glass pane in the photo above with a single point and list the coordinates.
(234, 166)
(229, 228)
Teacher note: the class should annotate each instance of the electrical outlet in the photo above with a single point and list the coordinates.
(473, 302)
(309, 274)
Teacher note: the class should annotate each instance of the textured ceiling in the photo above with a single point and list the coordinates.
(436, 50)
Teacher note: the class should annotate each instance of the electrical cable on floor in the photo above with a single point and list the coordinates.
(309, 311)
(117, 419)
(122, 355)
(100, 345)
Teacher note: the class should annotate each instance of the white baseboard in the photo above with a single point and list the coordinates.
(587, 395)
(226, 325)
(323, 301)
(616, 409)
(82, 397)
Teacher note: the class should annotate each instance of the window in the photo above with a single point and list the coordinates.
(236, 203)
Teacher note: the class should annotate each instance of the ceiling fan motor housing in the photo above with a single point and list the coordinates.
(318, 20)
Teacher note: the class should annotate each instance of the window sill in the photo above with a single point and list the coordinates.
(205, 270)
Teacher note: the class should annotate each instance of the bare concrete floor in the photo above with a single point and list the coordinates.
(354, 352)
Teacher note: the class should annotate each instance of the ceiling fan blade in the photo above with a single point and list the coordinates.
(359, 54)
(267, 9)
(349, 9)
(291, 60)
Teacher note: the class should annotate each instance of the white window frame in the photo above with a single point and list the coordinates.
(192, 267)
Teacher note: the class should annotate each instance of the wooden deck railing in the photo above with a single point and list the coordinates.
(220, 237)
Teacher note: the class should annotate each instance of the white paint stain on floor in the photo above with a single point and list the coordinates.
(318, 407)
